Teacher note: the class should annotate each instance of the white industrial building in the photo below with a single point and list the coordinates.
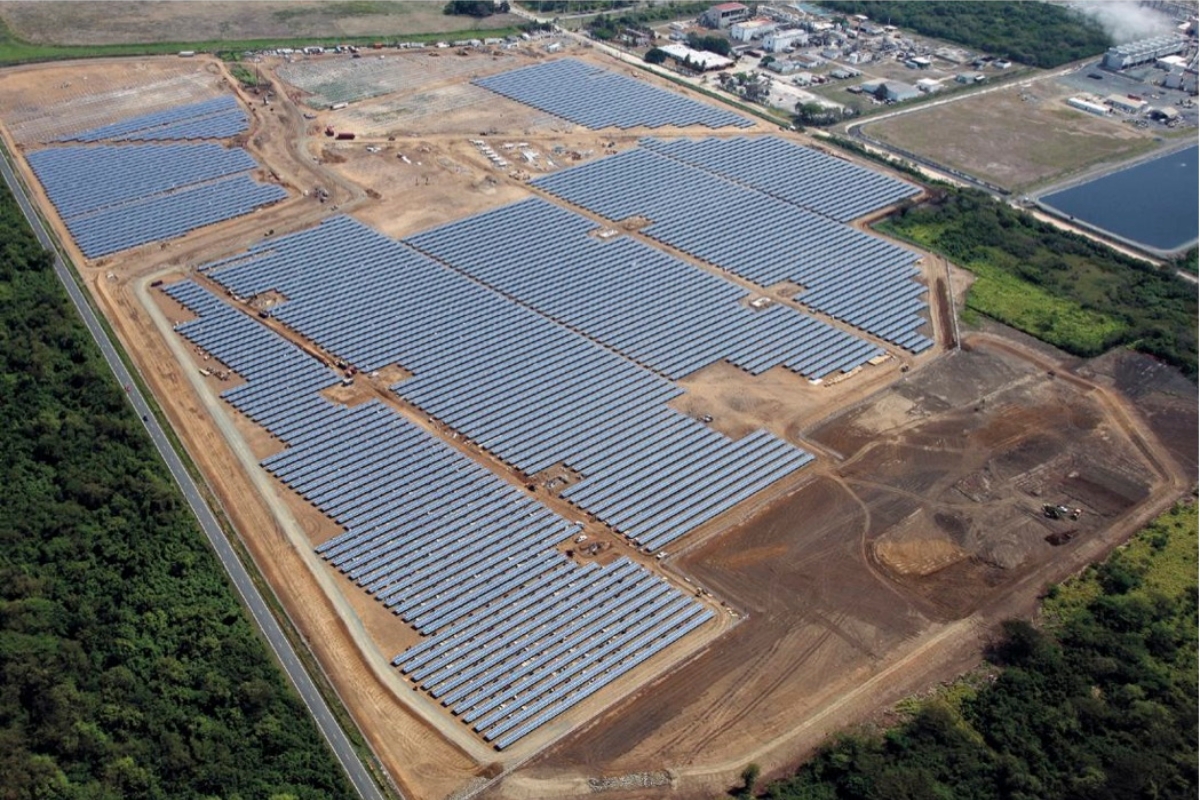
(1090, 106)
(778, 41)
(929, 85)
(894, 91)
(1142, 51)
(752, 29)
(701, 58)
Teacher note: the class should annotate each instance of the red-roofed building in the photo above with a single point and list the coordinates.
(725, 14)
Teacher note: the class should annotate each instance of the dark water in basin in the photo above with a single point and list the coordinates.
(1154, 203)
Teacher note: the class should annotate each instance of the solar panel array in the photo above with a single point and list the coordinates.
(656, 310)
(597, 98)
(210, 119)
(116, 197)
(847, 274)
(282, 380)
(800, 175)
(525, 388)
(517, 633)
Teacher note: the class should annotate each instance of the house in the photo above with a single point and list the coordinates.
(723, 15)
(782, 67)
(968, 77)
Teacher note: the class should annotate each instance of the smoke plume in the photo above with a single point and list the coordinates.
(1126, 21)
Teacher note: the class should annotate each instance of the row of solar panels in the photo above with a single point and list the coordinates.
(737, 228)
(463, 556)
(209, 119)
(576, 636)
(597, 98)
(799, 175)
(273, 367)
(82, 179)
(531, 391)
(116, 197)
(167, 216)
(656, 310)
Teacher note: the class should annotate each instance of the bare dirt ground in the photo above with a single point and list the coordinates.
(65, 100)
(873, 574)
(126, 22)
(888, 571)
(1015, 137)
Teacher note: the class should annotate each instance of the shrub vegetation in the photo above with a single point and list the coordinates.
(1060, 287)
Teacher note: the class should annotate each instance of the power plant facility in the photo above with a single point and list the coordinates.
(1140, 52)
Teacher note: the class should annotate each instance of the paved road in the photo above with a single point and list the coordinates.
(357, 772)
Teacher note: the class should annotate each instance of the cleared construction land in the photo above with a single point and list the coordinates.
(902, 519)
(1017, 137)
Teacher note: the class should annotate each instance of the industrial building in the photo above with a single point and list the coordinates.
(1142, 51)
(752, 29)
(929, 85)
(723, 15)
(1126, 104)
(778, 41)
(893, 91)
(1090, 106)
(700, 58)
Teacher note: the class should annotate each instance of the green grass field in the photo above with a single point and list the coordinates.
(13, 50)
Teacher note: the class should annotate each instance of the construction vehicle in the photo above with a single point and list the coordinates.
(1061, 512)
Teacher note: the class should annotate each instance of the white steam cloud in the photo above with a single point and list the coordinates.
(1126, 21)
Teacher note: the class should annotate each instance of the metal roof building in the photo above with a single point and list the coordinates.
(1139, 52)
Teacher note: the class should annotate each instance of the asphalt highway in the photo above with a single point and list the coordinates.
(363, 784)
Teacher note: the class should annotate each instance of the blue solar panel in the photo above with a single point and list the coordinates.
(531, 391)
(750, 233)
(802, 176)
(597, 98)
(515, 632)
(116, 197)
(210, 119)
(657, 310)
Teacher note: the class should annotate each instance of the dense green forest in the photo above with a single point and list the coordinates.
(606, 26)
(1063, 288)
(1099, 703)
(127, 667)
(1038, 34)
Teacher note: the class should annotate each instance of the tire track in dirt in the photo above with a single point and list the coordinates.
(765, 693)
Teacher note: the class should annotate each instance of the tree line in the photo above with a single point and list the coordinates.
(128, 669)
(1039, 34)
